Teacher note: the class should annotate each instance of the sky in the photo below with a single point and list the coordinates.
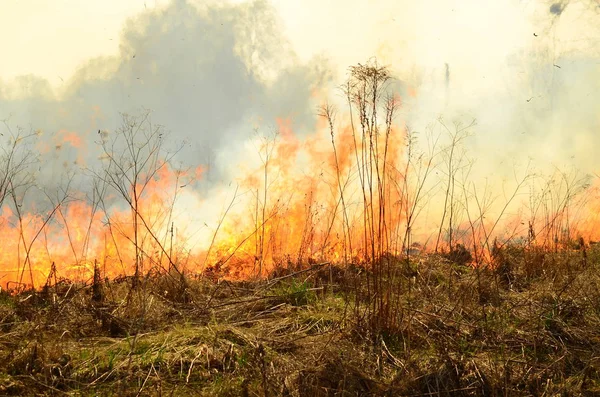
(52, 39)
(527, 70)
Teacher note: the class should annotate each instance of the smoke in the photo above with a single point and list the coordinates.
(529, 74)
(556, 8)
(530, 79)
(209, 74)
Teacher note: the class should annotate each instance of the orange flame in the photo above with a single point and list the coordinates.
(300, 199)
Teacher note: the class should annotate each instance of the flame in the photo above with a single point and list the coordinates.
(69, 137)
(298, 200)
(76, 236)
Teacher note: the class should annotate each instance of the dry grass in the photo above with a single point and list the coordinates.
(530, 328)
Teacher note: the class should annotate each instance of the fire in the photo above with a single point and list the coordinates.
(357, 188)
(292, 210)
(69, 137)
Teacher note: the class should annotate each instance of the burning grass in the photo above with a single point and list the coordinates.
(319, 277)
(529, 327)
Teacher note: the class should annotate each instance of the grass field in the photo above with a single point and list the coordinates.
(529, 327)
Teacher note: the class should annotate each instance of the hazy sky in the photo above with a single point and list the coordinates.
(52, 38)
(525, 69)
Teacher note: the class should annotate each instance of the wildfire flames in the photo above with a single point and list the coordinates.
(360, 186)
